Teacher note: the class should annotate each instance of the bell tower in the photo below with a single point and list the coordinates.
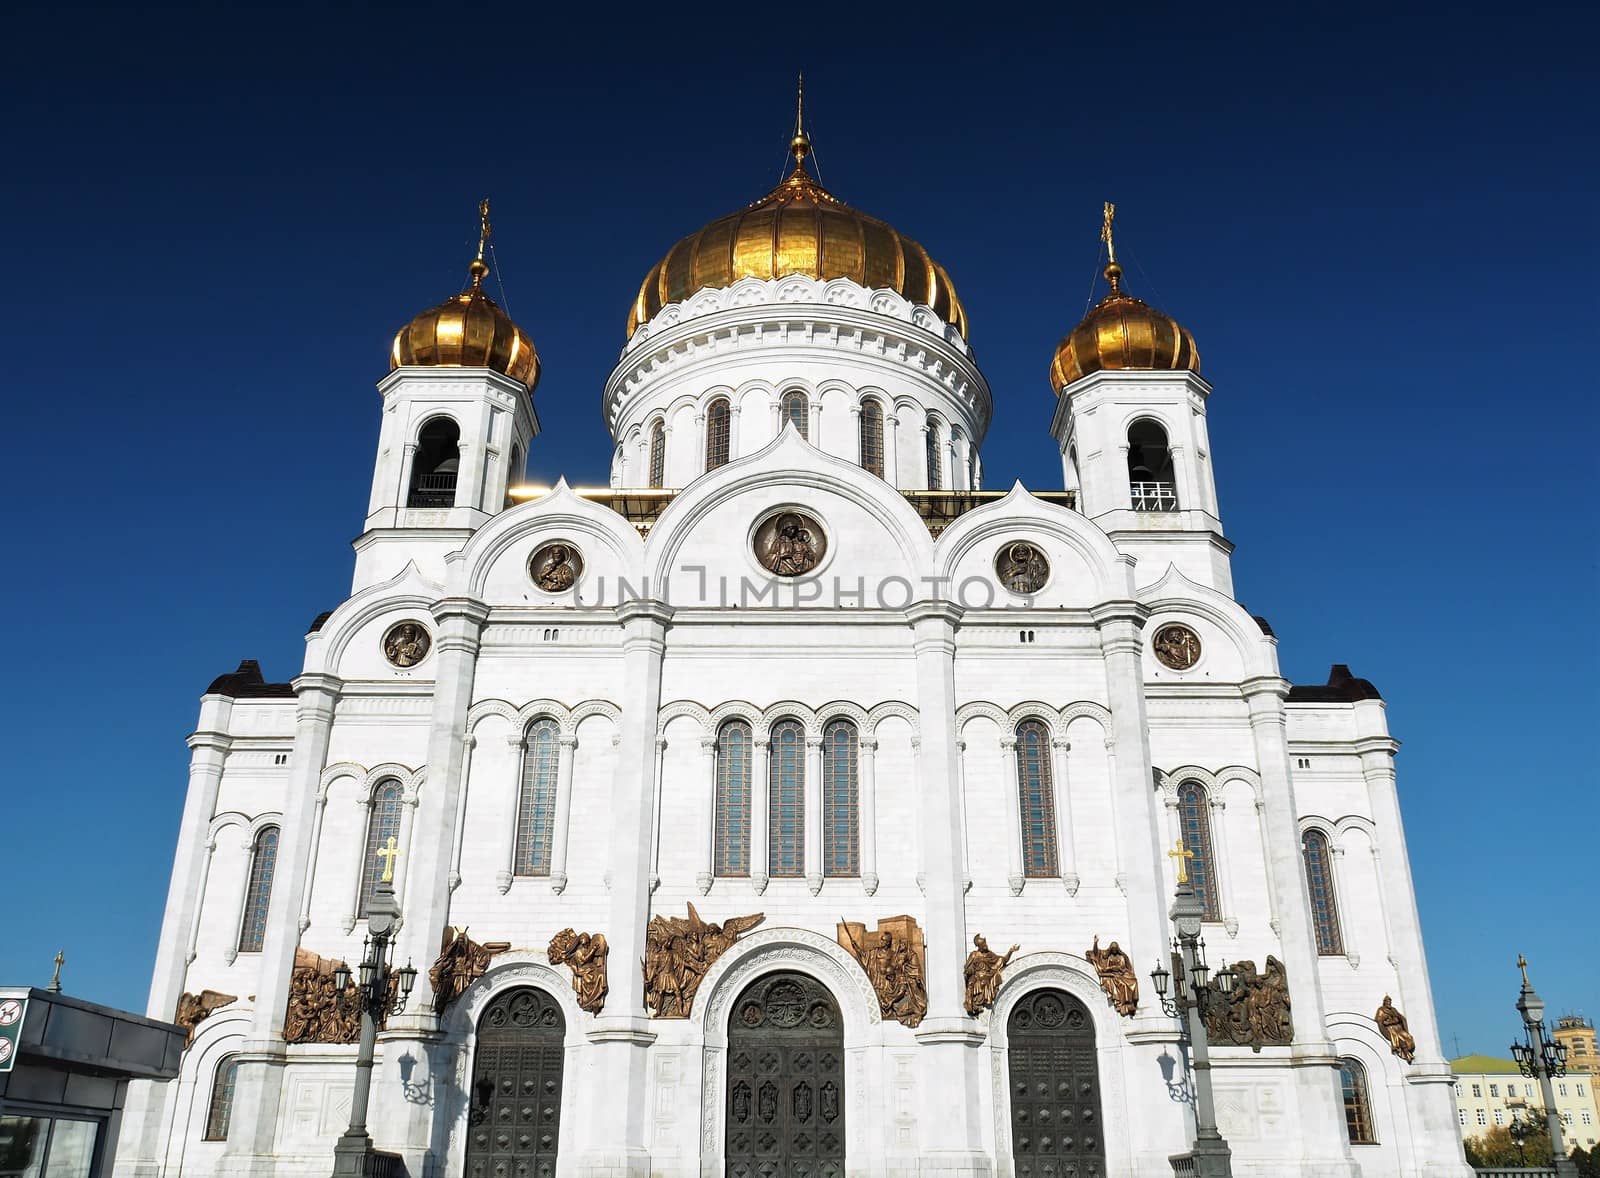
(1130, 421)
(458, 418)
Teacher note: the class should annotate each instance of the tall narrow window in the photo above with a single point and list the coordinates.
(1151, 482)
(718, 416)
(536, 805)
(658, 454)
(1357, 1104)
(733, 799)
(435, 464)
(786, 800)
(258, 892)
(931, 447)
(872, 437)
(1194, 816)
(383, 823)
(796, 411)
(841, 843)
(220, 1110)
(1035, 793)
(1319, 882)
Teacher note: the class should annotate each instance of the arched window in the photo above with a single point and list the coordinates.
(258, 892)
(872, 436)
(935, 466)
(1195, 818)
(841, 842)
(220, 1111)
(1357, 1104)
(1319, 882)
(383, 823)
(733, 799)
(795, 410)
(718, 416)
(1036, 794)
(435, 464)
(658, 454)
(536, 805)
(786, 800)
(1150, 477)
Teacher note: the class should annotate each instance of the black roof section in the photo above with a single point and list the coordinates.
(248, 683)
(1342, 688)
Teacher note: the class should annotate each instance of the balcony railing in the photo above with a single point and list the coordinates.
(433, 490)
(1154, 496)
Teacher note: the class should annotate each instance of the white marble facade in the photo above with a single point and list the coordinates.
(905, 633)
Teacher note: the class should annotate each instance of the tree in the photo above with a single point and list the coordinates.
(1496, 1147)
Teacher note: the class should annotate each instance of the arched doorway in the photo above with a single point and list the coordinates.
(1055, 1088)
(515, 1100)
(785, 1080)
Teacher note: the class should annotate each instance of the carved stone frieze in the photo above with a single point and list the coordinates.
(461, 962)
(1395, 1029)
(194, 1009)
(677, 954)
(1117, 977)
(1256, 1014)
(585, 954)
(982, 974)
(314, 1014)
(895, 962)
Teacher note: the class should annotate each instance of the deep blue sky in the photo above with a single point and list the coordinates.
(1378, 224)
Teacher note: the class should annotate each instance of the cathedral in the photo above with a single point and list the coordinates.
(793, 805)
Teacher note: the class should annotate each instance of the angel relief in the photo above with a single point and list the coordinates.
(677, 954)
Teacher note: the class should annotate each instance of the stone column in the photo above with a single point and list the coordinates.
(733, 430)
(1343, 927)
(461, 811)
(1224, 861)
(258, 1083)
(1065, 852)
(869, 815)
(952, 1086)
(656, 785)
(613, 1136)
(891, 448)
(759, 796)
(563, 815)
(506, 835)
(812, 809)
(1322, 1111)
(708, 824)
(1015, 878)
(192, 950)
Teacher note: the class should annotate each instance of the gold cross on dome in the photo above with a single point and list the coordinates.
(55, 978)
(1109, 214)
(389, 852)
(485, 232)
(1182, 854)
(1522, 964)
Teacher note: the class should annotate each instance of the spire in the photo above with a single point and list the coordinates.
(1113, 271)
(479, 268)
(800, 144)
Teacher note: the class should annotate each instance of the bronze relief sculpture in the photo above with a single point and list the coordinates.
(790, 544)
(194, 1009)
(556, 566)
(315, 1014)
(585, 954)
(982, 974)
(895, 963)
(1256, 1014)
(1395, 1029)
(1176, 646)
(461, 962)
(1021, 567)
(406, 644)
(1117, 978)
(677, 954)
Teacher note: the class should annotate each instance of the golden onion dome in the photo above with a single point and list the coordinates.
(1122, 333)
(468, 331)
(798, 228)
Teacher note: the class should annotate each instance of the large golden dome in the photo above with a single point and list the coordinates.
(798, 228)
(1122, 333)
(468, 331)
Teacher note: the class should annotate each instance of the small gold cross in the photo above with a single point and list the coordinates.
(55, 978)
(1108, 215)
(1522, 964)
(1182, 855)
(389, 852)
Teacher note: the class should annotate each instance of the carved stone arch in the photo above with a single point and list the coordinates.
(519, 967)
(978, 710)
(901, 401)
(758, 386)
(1355, 1034)
(262, 821)
(842, 292)
(1359, 822)
(485, 708)
(225, 819)
(1135, 414)
(702, 302)
(410, 779)
(795, 288)
(408, 590)
(703, 402)
(872, 392)
(595, 707)
(1036, 710)
(681, 709)
(795, 384)
(735, 709)
(1228, 774)
(560, 511)
(893, 707)
(1176, 594)
(767, 950)
(833, 384)
(1326, 826)
(684, 400)
(890, 302)
(784, 710)
(842, 710)
(1171, 779)
(1018, 511)
(1087, 709)
(927, 320)
(339, 771)
(544, 709)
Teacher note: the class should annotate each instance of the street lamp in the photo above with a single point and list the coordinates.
(1196, 989)
(1520, 1131)
(1541, 1059)
(375, 997)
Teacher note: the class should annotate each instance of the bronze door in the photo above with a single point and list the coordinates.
(1055, 1089)
(515, 1100)
(785, 1081)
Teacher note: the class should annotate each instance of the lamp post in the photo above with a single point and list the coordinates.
(1192, 991)
(1520, 1130)
(1542, 1059)
(371, 995)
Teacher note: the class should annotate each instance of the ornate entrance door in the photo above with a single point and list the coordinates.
(1055, 1089)
(515, 1100)
(785, 1081)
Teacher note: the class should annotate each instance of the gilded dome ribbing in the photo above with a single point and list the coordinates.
(1123, 333)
